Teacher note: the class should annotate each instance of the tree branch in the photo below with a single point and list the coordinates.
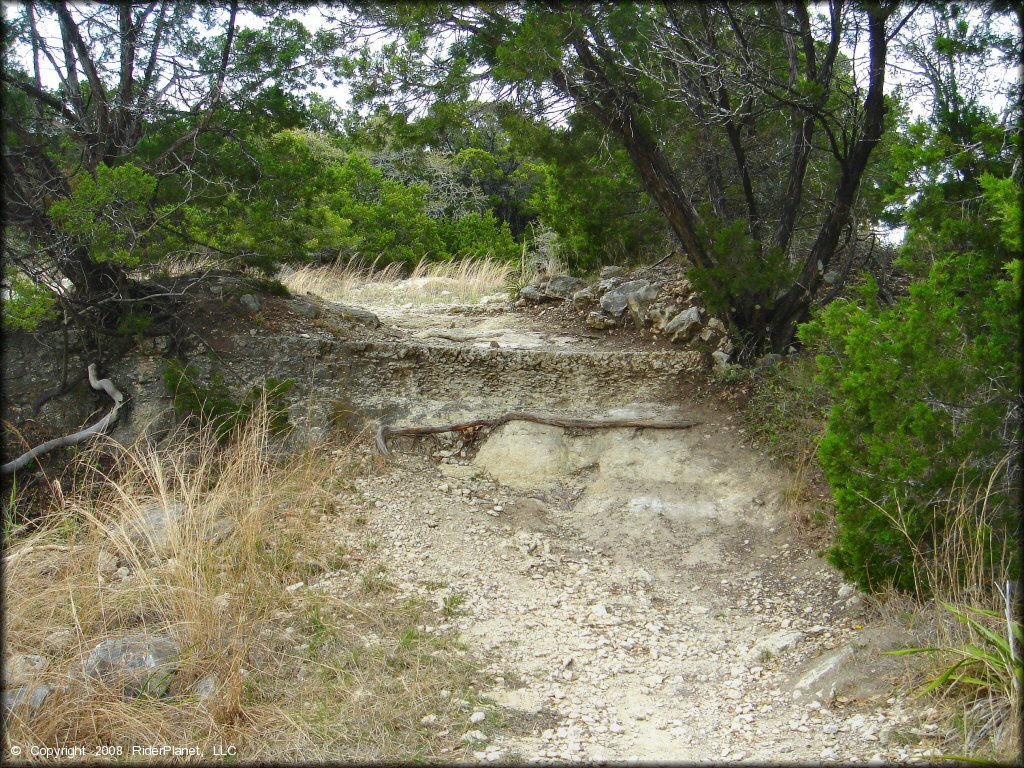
(385, 431)
(100, 426)
(43, 97)
(71, 32)
(214, 95)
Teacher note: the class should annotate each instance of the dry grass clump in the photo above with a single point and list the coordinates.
(326, 670)
(465, 281)
(968, 611)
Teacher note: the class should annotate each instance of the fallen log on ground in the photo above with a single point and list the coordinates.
(106, 385)
(385, 431)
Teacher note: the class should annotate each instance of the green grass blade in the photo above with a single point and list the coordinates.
(907, 651)
(941, 679)
(973, 760)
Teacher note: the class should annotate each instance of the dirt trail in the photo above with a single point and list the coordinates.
(635, 594)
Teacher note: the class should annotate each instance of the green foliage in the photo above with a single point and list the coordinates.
(1007, 201)
(591, 197)
(270, 286)
(27, 304)
(316, 200)
(989, 668)
(924, 389)
(134, 324)
(214, 403)
(505, 179)
(453, 605)
(477, 235)
(109, 215)
(740, 269)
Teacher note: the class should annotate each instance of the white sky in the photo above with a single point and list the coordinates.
(998, 78)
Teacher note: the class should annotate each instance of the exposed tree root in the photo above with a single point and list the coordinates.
(105, 385)
(385, 431)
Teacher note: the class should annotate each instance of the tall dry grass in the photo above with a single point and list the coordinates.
(298, 674)
(967, 609)
(465, 281)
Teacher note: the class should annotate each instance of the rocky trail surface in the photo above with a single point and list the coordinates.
(634, 594)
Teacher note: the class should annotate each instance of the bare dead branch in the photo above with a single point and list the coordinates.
(106, 385)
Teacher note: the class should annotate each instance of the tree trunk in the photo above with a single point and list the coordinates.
(614, 108)
(663, 186)
(794, 307)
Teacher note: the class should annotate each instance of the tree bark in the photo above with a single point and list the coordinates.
(794, 307)
(614, 108)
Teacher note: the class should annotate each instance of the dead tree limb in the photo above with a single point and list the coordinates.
(385, 431)
(106, 385)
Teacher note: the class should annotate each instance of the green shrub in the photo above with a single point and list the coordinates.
(214, 403)
(740, 269)
(27, 303)
(134, 324)
(591, 197)
(315, 200)
(109, 215)
(478, 235)
(923, 390)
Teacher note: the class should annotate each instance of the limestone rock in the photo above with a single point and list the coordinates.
(358, 315)
(615, 301)
(59, 640)
(155, 528)
(107, 562)
(305, 309)
(219, 530)
(684, 326)
(21, 668)
(139, 663)
(774, 644)
(599, 321)
(639, 302)
(659, 317)
(823, 675)
(531, 294)
(585, 297)
(612, 270)
(250, 302)
(206, 687)
(31, 699)
(563, 287)
(720, 360)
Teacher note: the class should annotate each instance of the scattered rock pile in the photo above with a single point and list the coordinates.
(660, 302)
